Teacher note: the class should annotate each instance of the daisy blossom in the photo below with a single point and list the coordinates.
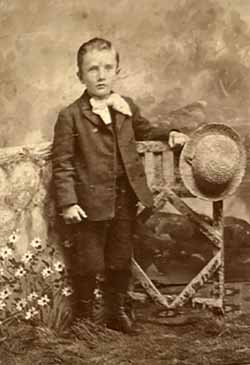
(97, 293)
(67, 291)
(46, 272)
(32, 296)
(36, 243)
(59, 266)
(21, 304)
(27, 257)
(4, 294)
(67, 243)
(6, 252)
(43, 300)
(13, 237)
(20, 272)
(32, 312)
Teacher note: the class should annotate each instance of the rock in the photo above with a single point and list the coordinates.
(178, 249)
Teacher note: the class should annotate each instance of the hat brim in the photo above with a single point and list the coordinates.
(188, 151)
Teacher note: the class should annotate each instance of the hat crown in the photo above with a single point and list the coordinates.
(216, 159)
(213, 162)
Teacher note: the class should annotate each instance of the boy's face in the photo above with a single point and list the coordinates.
(98, 72)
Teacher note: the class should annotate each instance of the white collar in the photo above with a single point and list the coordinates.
(115, 101)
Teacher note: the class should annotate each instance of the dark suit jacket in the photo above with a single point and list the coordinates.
(83, 159)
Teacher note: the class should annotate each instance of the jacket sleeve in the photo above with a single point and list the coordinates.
(145, 130)
(63, 171)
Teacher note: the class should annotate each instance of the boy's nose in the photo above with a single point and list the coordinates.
(101, 74)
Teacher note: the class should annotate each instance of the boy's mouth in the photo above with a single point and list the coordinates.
(101, 86)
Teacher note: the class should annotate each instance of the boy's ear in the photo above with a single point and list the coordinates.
(80, 77)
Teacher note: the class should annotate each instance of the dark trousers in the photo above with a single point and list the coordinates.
(101, 245)
(105, 247)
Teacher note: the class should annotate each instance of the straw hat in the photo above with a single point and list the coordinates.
(213, 162)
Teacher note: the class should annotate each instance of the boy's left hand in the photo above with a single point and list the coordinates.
(177, 139)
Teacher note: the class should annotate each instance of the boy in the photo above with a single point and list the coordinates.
(99, 178)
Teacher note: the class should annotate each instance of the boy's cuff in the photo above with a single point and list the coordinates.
(173, 131)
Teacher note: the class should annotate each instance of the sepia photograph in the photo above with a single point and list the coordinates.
(124, 173)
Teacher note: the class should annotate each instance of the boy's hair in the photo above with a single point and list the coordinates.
(95, 43)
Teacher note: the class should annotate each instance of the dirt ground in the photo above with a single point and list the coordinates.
(192, 337)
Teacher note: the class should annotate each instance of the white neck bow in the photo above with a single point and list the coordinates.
(115, 101)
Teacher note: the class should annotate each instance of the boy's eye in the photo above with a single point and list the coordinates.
(96, 68)
(109, 67)
(93, 68)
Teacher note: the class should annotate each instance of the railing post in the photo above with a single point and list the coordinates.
(219, 278)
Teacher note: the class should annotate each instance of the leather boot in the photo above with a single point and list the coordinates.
(83, 297)
(117, 318)
(86, 309)
(115, 296)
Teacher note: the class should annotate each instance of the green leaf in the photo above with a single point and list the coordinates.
(46, 263)
(5, 278)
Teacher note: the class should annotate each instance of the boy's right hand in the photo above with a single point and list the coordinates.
(73, 214)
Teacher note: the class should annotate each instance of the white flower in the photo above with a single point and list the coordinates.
(32, 296)
(1, 271)
(67, 243)
(2, 305)
(97, 293)
(43, 301)
(27, 257)
(46, 272)
(6, 252)
(32, 312)
(67, 291)
(4, 294)
(13, 237)
(21, 304)
(36, 243)
(59, 266)
(20, 272)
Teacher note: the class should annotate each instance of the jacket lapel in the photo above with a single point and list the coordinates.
(87, 110)
(119, 120)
